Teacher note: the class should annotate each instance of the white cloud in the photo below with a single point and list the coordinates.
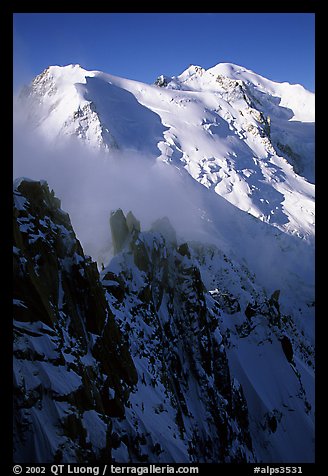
(92, 183)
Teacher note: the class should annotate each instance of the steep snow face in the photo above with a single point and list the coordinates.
(268, 354)
(249, 139)
(57, 97)
(72, 102)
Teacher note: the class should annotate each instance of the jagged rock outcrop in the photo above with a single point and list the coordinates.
(162, 81)
(132, 223)
(119, 229)
(72, 370)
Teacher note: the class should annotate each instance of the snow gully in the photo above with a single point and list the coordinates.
(57, 469)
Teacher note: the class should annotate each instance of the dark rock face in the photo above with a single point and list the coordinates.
(287, 348)
(132, 223)
(184, 250)
(119, 229)
(72, 369)
(250, 311)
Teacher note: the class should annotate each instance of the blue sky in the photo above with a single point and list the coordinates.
(141, 46)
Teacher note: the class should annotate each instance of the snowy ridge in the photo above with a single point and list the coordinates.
(293, 96)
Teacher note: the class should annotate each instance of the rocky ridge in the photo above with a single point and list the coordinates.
(72, 370)
(172, 354)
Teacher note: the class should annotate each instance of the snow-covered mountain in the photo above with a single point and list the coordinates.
(217, 321)
(249, 139)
